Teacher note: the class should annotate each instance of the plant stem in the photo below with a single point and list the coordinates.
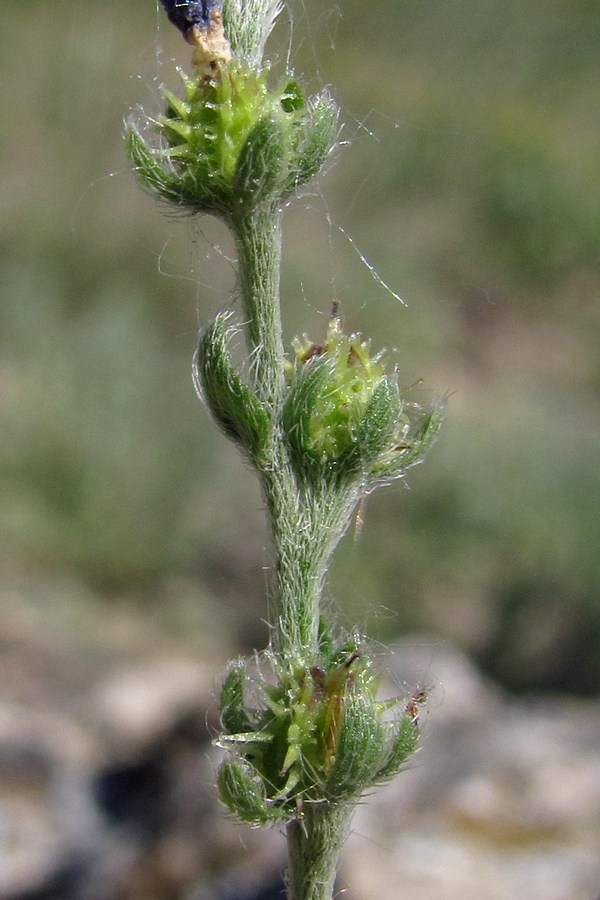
(314, 845)
(258, 242)
(296, 587)
(238, 149)
(305, 527)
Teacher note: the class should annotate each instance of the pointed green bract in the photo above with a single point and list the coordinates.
(248, 24)
(244, 795)
(404, 741)
(315, 139)
(233, 404)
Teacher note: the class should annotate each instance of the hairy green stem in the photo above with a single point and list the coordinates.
(258, 242)
(306, 530)
(305, 526)
(314, 844)
(296, 599)
(299, 564)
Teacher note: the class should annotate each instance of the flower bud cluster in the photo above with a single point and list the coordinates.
(344, 419)
(232, 142)
(317, 734)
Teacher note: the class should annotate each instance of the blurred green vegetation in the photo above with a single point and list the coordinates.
(468, 175)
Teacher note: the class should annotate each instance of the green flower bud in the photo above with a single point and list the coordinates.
(331, 390)
(232, 142)
(342, 410)
(317, 733)
(233, 404)
(344, 416)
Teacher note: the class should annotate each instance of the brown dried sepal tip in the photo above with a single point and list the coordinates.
(319, 349)
(413, 707)
(211, 47)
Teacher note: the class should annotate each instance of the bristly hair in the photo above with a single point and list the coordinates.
(248, 24)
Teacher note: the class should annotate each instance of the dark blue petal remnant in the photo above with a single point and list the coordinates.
(185, 14)
(201, 23)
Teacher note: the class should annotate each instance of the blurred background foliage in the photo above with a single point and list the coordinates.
(467, 179)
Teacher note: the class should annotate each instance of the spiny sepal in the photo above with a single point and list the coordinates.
(360, 747)
(260, 165)
(315, 137)
(303, 396)
(419, 428)
(231, 401)
(378, 424)
(243, 793)
(401, 745)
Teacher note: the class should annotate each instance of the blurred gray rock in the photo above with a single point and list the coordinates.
(502, 801)
(107, 779)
